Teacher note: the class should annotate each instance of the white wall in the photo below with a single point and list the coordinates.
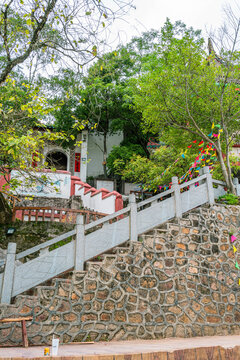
(235, 151)
(95, 151)
(106, 184)
(61, 185)
(131, 187)
(96, 202)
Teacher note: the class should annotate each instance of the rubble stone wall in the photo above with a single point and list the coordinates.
(73, 203)
(30, 233)
(177, 281)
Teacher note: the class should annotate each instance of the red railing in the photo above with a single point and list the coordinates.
(26, 213)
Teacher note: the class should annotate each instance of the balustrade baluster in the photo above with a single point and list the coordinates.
(88, 217)
(52, 214)
(133, 218)
(80, 244)
(60, 216)
(29, 214)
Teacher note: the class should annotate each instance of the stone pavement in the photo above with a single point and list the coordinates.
(198, 348)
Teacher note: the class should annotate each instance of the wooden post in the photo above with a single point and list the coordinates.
(8, 275)
(209, 182)
(24, 334)
(52, 214)
(80, 244)
(133, 218)
(177, 197)
(14, 215)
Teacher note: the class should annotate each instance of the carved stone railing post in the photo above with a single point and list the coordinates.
(80, 244)
(8, 276)
(209, 182)
(133, 217)
(237, 186)
(177, 197)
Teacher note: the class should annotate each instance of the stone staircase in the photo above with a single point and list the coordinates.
(178, 280)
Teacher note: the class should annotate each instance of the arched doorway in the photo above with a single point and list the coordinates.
(57, 160)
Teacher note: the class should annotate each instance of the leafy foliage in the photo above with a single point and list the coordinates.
(229, 199)
(51, 31)
(20, 107)
(187, 93)
(121, 155)
(150, 172)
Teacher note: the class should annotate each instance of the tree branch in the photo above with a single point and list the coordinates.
(32, 46)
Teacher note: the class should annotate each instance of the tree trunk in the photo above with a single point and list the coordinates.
(226, 172)
(105, 154)
(232, 187)
(5, 211)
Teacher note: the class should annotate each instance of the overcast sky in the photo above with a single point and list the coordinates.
(151, 14)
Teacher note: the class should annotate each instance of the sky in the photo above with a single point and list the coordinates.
(151, 14)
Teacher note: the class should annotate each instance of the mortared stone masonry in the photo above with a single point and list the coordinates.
(179, 280)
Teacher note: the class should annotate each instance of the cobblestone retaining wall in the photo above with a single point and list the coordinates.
(178, 281)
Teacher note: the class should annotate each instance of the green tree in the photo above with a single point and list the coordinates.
(157, 171)
(102, 100)
(52, 31)
(21, 105)
(192, 94)
(120, 156)
(35, 34)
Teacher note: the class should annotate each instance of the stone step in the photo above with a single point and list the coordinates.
(109, 259)
(120, 250)
(93, 265)
(46, 292)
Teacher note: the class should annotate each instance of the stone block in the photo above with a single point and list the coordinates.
(135, 318)
(120, 316)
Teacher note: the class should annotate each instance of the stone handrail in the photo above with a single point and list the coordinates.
(101, 235)
(218, 182)
(45, 245)
(108, 218)
(154, 198)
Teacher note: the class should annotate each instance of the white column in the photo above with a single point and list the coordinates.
(80, 244)
(133, 218)
(84, 151)
(209, 185)
(8, 275)
(236, 184)
(177, 197)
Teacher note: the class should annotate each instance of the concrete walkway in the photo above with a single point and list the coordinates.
(154, 348)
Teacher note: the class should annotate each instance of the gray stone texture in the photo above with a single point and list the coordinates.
(179, 280)
(29, 234)
(74, 202)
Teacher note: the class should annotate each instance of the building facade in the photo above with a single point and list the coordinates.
(83, 161)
